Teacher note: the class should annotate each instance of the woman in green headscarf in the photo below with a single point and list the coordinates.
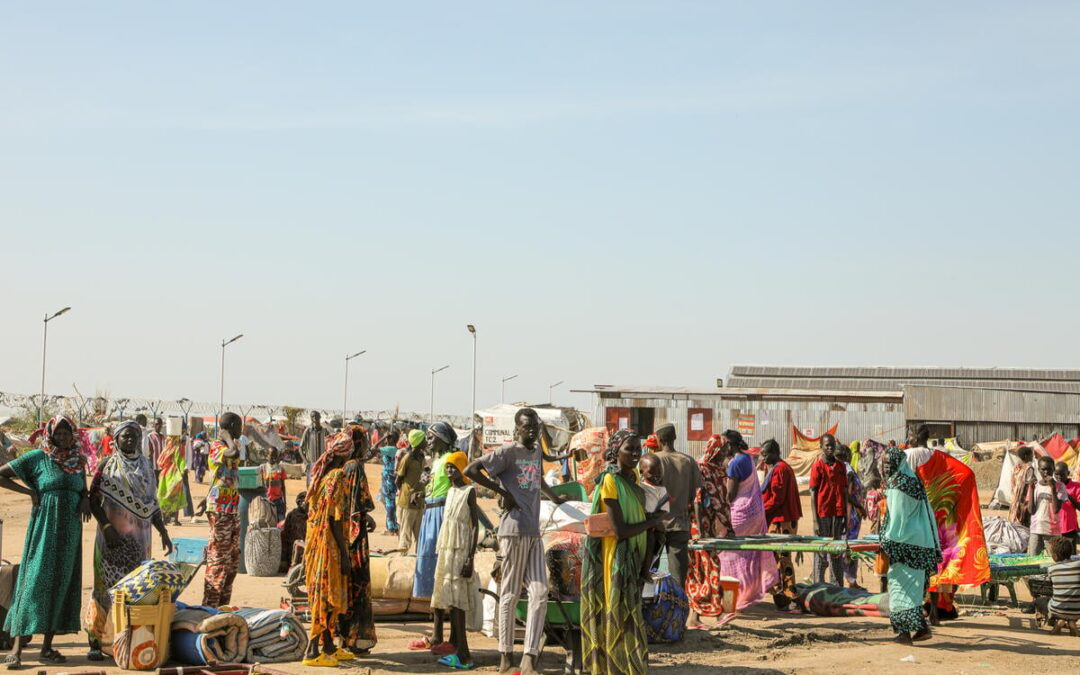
(909, 537)
(612, 625)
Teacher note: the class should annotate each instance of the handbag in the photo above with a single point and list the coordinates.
(599, 525)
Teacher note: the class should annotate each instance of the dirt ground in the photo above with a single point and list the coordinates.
(986, 639)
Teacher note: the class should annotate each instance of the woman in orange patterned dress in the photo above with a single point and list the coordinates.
(713, 520)
(326, 555)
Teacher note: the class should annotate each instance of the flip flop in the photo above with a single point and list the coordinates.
(421, 645)
(444, 649)
(452, 661)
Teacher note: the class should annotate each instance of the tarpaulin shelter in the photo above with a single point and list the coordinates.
(805, 450)
(1003, 492)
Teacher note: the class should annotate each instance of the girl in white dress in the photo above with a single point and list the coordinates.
(455, 580)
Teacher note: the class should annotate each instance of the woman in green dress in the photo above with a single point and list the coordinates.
(613, 571)
(49, 585)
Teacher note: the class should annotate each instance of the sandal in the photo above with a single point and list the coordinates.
(12, 662)
(444, 649)
(454, 662)
(421, 645)
(52, 656)
(322, 660)
(95, 654)
(343, 654)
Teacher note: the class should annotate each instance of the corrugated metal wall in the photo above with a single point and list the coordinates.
(773, 419)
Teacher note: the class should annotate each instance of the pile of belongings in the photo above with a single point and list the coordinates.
(141, 639)
(204, 636)
(1003, 536)
(274, 635)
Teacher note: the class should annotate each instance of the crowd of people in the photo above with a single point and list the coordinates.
(649, 500)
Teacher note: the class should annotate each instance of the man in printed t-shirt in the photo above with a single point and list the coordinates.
(514, 471)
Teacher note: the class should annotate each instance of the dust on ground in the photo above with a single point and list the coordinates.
(763, 640)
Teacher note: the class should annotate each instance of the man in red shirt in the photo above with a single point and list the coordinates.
(828, 496)
(782, 511)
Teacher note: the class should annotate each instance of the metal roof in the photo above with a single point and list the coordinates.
(904, 372)
(775, 392)
(881, 378)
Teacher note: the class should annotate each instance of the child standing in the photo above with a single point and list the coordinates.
(273, 476)
(875, 499)
(455, 581)
(656, 503)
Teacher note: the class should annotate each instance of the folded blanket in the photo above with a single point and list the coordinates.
(203, 636)
(274, 635)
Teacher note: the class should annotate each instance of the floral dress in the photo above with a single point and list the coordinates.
(328, 593)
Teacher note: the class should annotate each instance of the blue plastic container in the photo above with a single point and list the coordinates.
(189, 549)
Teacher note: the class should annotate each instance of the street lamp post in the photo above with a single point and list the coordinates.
(472, 411)
(502, 396)
(44, 344)
(551, 388)
(345, 403)
(221, 398)
(431, 412)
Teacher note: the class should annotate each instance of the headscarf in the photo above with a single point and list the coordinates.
(71, 460)
(340, 445)
(129, 481)
(652, 442)
(713, 449)
(416, 438)
(445, 432)
(909, 533)
(618, 439)
(125, 425)
(460, 460)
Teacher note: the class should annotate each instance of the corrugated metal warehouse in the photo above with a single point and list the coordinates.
(973, 404)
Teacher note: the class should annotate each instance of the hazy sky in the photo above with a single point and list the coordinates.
(614, 192)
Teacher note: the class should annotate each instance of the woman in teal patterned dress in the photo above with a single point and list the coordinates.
(49, 585)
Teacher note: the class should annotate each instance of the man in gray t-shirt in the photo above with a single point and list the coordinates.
(682, 478)
(515, 472)
(518, 470)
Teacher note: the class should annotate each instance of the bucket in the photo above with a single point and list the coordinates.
(729, 587)
(174, 426)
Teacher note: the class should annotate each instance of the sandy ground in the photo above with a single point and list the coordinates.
(987, 639)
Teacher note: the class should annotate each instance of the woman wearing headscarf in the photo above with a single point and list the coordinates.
(124, 503)
(909, 539)
(47, 597)
(410, 498)
(326, 553)
(359, 628)
(713, 515)
(755, 570)
(612, 625)
(387, 486)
